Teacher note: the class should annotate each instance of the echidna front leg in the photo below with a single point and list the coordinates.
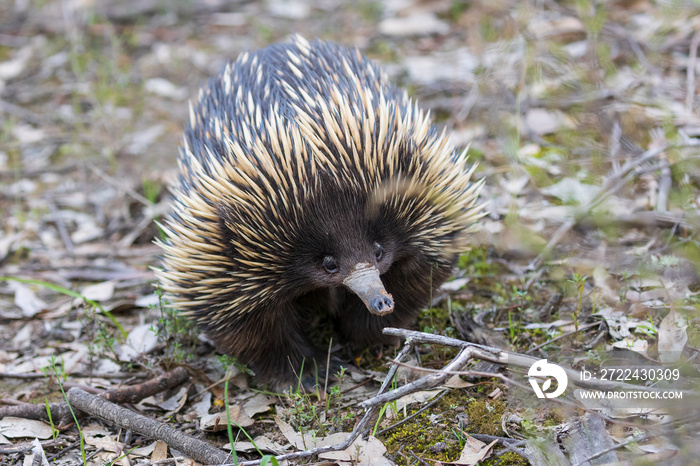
(272, 344)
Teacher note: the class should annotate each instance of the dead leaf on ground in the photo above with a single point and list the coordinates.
(474, 451)
(99, 291)
(673, 336)
(160, 451)
(27, 300)
(370, 451)
(15, 427)
(216, 422)
(262, 443)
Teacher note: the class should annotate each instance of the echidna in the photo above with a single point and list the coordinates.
(308, 182)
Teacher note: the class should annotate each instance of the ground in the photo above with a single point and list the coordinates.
(584, 118)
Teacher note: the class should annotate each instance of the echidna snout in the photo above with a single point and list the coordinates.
(364, 281)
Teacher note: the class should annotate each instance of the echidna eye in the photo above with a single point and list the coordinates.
(378, 251)
(330, 264)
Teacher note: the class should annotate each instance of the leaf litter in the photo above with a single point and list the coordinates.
(583, 118)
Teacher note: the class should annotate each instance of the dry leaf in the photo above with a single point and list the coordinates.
(541, 121)
(588, 436)
(216, 422)
(23, 338)
(474, 451)
(291, 435)
(262, 443)
(416, 397)
(99, 292)
(369, 452)
(175, 403)
(257, 404)
(26, 300)
(145, 450)
(572, 190)
(147, 300)
(160, 451)
(419, 24)
(165, 88)
(7, 242)
(202, 406)
(99, 437)
(141, 340)
(37, 456)
(141, 140)
(672, 337)
(456, 381)
(455, 284)
(15, 427)
(10, 69)
(619, 325)
(637, 345)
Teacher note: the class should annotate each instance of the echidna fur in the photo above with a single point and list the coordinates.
(294, 154)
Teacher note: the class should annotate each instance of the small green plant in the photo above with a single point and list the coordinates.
(177, 333)
(379, 418)
(457, 7)
(335, 392)
(393, 405)
(151, 189)
(580, 282)
(269, 459)
(54, 432)
(317, 415)
(513, 328)
(305, 414)
(625, 277)
(55, 368)
(475, 263)
(100, 338)
(370, 9)
(521, 295)
(461, 438)
(229, 427)
(651, 329)
(227, 360)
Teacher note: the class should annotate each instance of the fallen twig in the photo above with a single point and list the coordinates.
(198, 450)
(129, 394)
(136, 393)
(27, 446)
(429, 381)
(505, 358)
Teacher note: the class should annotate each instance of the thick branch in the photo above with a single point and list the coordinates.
(129, 394)
(127, 419)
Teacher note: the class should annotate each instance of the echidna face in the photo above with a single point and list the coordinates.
(346, 252)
